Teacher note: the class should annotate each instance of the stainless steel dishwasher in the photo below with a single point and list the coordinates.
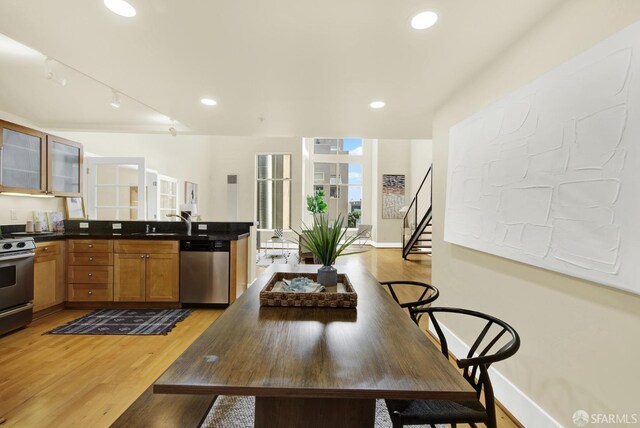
(204, 271)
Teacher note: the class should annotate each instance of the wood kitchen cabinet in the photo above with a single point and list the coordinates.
(49, 275)
(34, 162)
(90, 270)
(22, 159)
(64, 166)
(146, 271)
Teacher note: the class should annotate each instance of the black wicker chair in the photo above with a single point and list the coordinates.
(475, 366)
(428, 294)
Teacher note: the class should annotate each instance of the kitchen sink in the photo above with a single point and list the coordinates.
(162, 234)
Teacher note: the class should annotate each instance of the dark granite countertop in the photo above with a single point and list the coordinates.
(136, 230)
(230, 236)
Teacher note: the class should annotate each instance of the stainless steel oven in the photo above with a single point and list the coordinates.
(16, 283)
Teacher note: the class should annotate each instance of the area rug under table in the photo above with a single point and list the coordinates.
(125, 322)
(230, 411)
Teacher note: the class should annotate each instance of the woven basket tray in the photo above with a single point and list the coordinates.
(341, 296)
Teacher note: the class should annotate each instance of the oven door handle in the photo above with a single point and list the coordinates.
(25, 307)
(17, 256)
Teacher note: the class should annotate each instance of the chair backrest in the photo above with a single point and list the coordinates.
(427, 296)
(364, 230)
(494, 333)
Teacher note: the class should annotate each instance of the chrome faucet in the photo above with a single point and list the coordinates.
(187, 221)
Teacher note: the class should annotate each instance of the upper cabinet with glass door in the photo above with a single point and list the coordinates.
(64, 166)
(22, 159)
(34, 162)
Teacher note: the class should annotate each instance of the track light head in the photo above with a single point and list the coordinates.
(49, 75)
(115, 99)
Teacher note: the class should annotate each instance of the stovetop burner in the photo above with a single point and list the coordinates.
(10, 245)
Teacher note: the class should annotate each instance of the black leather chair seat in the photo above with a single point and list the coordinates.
(437, 411)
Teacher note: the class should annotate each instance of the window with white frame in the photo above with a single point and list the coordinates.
(273, 205)
(338, 171)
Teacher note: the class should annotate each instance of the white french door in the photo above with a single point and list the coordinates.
(116, 188)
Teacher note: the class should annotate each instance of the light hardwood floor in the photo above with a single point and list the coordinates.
(88, 381)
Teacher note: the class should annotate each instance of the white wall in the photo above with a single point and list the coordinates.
(580, 340)
(204, 160)
(421, 159)
(185, 157)
(393, 157)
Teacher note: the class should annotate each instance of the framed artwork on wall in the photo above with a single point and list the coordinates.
(190, 193)
(74, 208)
(392, 195)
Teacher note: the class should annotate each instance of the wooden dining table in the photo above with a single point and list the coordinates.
(315, 367)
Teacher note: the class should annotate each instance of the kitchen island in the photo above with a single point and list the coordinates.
(120, 264)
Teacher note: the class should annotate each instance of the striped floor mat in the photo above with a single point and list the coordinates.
(125, 321)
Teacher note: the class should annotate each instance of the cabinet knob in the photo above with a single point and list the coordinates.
(147, 255)
(90, 259)
(90, 292)
(142, 256)
(45, 249)
(90, 245)
(90, 274)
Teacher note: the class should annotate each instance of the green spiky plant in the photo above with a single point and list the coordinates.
(327, 241)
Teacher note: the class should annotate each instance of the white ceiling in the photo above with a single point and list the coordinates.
(276, 67)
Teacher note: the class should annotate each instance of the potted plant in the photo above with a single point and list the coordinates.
(316, 205)
(352, 218)
(327, 241)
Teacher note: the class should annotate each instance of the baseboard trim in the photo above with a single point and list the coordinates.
(385, 244)
(515, 402)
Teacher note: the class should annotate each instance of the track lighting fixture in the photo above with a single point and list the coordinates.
(115, 99)
(48, 73)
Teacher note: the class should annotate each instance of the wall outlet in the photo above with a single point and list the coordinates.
(13, 215)
(202, 227)
(84, 225)
(116, 226)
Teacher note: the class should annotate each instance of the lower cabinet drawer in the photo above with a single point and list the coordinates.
(90, 274)
(90, 293)
(91, 259)
(47, 249)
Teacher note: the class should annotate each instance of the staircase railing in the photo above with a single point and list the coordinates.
(418, 209)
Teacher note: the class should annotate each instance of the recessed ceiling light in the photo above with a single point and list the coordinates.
(208, 101)
(424, 20)
(120, 7)
(377, 104)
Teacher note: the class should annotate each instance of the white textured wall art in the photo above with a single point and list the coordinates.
(550, 174)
